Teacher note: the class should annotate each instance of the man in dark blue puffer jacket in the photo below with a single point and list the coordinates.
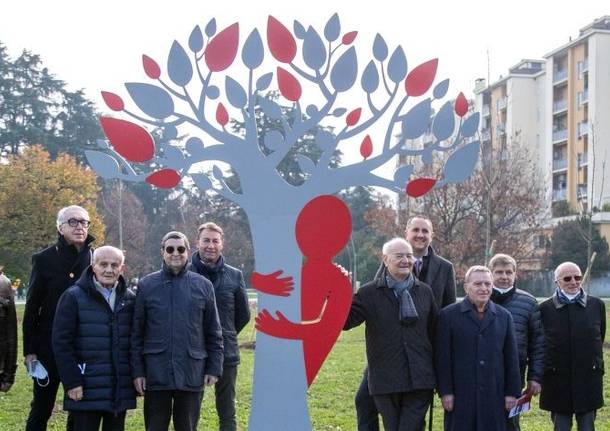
(528, 325)
(91, 341)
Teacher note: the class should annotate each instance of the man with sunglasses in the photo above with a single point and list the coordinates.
(54, 269)
(574, 331)
(176, 342)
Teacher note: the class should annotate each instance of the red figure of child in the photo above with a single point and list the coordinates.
(322, 230)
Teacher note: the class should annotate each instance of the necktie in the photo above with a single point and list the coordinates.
(418, 264)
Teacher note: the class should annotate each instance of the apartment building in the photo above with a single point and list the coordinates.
(578, 126)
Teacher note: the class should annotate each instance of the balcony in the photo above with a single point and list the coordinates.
(583, 67)
(582, 190)
(501, 103)
(583, 97)
(582, 159)
(501, 129)
(560, 105)
(560, 75)
(560, 135)
(485, 111)
(583, 129)
(559, 164)
(485, 135)
(559, 195)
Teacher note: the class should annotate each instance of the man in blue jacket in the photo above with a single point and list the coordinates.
(233, 310)
(176, 340)
(91, 334)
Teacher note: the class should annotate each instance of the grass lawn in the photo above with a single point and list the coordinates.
(330, 397)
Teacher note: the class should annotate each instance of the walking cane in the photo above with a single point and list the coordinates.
(431, 410)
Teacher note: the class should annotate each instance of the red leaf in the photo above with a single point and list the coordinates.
(221, 51)
(222, 116)
(151, 68)
(461, 105)
(113, 101)
(366, 147)
(420, 79)
(353, 117)
(420, 186)
(164, 179)
(280, 41)
(289, 86)
(349, 37)
(128, 139)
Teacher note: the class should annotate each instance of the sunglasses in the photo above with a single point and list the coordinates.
(569, 278)
(170, 249)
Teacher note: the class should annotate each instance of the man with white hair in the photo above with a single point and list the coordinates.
(574, 331)
(91, 333)
(54, 269)
(400, 314)
(477, 364)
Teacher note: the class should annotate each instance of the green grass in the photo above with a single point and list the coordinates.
(331, 397)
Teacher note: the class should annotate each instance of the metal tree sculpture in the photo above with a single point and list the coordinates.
(187, 100)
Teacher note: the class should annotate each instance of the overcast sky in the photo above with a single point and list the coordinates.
(98, 45)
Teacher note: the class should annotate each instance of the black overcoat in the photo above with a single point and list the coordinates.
(574, 359)
(477, 362)
(400, 357)
(54, 270)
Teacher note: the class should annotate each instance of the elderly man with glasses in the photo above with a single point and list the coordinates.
(176, 342)
(574, 330)
(54, 269)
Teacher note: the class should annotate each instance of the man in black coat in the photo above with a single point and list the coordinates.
(233, 310)
(433, 270)
(528, 326)
(400, 314)
(574, 331)
(54, 269)
(176, 343)
(91, 334)
(8, 334)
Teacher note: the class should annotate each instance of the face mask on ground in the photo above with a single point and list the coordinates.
(37, 371)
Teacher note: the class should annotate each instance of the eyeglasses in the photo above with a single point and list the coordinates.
(170, 249)
(73, 222)
(569, 278)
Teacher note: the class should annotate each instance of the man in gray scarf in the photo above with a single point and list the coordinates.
(400, 315)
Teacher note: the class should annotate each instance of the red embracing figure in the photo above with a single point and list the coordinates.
(322, 230)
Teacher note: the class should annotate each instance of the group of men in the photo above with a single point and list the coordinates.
(85, 328)
(481, 354)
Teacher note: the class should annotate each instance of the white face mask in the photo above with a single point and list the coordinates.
(37, 371)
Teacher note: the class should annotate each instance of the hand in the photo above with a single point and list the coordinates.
(509, 402)
(272, 284)
(533, 388)
(29, 358)
(266, 323)
(76, 394)
(343, 270)
(447, 402)
(209, 380)
(4, 387)
(140, 384)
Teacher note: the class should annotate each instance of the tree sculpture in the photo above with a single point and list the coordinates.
(323, 67)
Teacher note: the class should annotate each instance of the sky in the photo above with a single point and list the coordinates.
(98, 45)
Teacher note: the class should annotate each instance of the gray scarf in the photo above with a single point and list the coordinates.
(407, 313)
